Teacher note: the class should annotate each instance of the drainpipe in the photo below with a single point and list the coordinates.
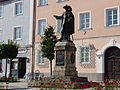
(33, 38)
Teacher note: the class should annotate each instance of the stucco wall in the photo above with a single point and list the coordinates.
(98, 35)
(9, 20)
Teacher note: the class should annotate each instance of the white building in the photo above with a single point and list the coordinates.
(16, 24)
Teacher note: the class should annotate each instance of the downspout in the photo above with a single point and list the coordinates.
(33, 38)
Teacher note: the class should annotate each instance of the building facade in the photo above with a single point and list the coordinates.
(16, 18)
(97, 36)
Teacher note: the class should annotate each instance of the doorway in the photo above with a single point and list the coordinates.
(112, 63)
(21, 67)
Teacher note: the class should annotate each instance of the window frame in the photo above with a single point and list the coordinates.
(38, 31)
(1, 11)
(39, 54)
(17, 39)
(84, 62)
(90, 20)
(106, 16)
(39, 5)
(21, 1)
(58, 1)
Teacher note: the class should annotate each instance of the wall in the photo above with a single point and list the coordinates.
(98, 35)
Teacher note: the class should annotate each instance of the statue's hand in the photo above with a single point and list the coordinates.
(55, 16)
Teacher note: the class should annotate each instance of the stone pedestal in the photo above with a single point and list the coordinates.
(65, 60)
(65, 67)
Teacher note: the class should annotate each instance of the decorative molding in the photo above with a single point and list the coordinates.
(111, 43)
(100, 55)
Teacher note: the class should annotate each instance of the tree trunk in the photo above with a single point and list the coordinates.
(6, 70)
(10, 74)
(51, 67)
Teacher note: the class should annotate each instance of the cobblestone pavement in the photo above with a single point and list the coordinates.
(21, 85)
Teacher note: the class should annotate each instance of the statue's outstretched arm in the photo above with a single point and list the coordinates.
(58, 17)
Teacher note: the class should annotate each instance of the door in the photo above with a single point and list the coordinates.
(21, 67)
(112, 63)
(113, 68)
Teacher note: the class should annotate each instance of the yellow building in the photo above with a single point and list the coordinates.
(97, 35)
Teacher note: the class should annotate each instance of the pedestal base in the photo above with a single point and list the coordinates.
(67, 79)
(65, 60)
(65, 71)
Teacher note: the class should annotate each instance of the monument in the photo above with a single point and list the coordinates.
(65, 50)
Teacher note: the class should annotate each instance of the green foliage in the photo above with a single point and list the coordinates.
(48, 43)
(9, 79)
(9, 50)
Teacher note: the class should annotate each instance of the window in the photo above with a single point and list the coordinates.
(112, 17)
(40, 59)
(1, 11)
(85, 20)
(85, 54)
(61, 0)
(41, 26)
(15, 65)
(17, 33)
(59, 25)
(42, 2)
(19, 8)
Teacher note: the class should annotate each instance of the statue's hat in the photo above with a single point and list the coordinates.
(67, 7)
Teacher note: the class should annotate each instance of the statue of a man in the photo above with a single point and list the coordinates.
(67, 24)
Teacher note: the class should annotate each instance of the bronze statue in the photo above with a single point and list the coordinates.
(67, 24)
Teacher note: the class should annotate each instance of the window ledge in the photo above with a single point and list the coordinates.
(18, 39)
(84, 62)
(111, 26)
(85, 29)
(19, 14)
(41, 35)
(1, 17)
(42, 5)
(61, 1)
(40, 64)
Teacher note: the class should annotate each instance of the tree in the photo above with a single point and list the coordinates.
(12, 47)
(8, 51)
(47, 45)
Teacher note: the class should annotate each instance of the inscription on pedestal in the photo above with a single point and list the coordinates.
(60, 58)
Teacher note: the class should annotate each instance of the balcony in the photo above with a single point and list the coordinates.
(3, 0)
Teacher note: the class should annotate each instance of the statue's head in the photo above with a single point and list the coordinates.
(67, 8)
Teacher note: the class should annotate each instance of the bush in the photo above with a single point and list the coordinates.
(9, 79)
